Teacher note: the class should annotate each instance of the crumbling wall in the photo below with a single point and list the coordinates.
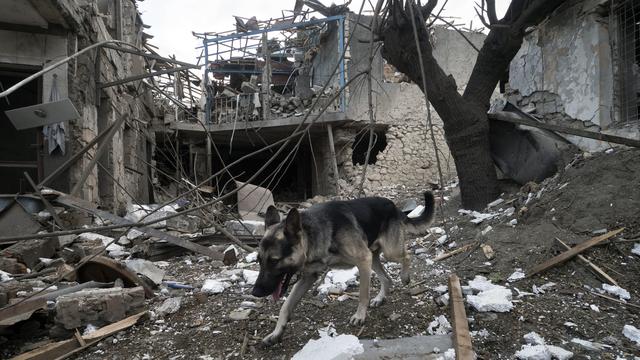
(564, 73)
(122, 172)
(400, 113)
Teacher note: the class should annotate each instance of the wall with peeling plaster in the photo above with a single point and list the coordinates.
(564, 73)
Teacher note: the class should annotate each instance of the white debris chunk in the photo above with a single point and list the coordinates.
(508, 212)
(486, 230)
(250, 276)
(89, 329)
(617, 291)
(169, 306)
(534, 352)
(439, 326)
(513, 222)
(589, 345)
(341, 347)
(338, 280)
(441, 289)
(496, 202)
(214, 286)
(543, 288)
(5, 276)
(497, 300)
(632, 333)
(146, 268)
(594, 307)
(636, 249)
(134, 234)
(252, 257)
(517, 275)
(533, 338)
(442, 239)
(416, 212)
(559, 353)
(477, 216)
(450, 354)
(480, 283)
(437, 230)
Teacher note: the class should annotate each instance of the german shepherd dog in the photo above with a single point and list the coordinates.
(334, 234)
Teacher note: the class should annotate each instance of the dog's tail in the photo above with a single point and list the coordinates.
(427, 215)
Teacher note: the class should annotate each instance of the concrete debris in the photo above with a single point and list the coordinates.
(214, 286)
(29, 252)
(184, 223)
(241, 314)
(441, 289)
(5, 276)
(632, 333)
(537, 349)
(486, 230)
(136, 213)
(250, 276)
(594, 307)
(543, 288)
(617, 291)
(169, 306)
(450, 354)
(439, 326)
(517, 275)
(97, 306)
(513, 222)
(478, 217)
(337, 281)
(416, 212)
(491, 297)
(442, 239)
(146, 268)
(251, 257)
(589, 345)
(328, 347)
(496, 202)
(437, 230)
(134, 234)
(636, 249)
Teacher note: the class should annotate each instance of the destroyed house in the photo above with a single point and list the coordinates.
(85, 96)
(581, 69)
(257, 96)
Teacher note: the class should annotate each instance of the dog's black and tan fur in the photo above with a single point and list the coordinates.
(332, 235)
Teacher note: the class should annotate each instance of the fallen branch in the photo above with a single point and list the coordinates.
(461, 336)
(616, 300)
(571, 253)
(454, 252)
(593, 266)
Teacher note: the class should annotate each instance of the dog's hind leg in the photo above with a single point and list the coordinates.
(364, 268)
(385, 280)
(299, 289)
(406, 260)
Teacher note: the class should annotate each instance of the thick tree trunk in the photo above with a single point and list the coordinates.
(465, 124)
(464, 116)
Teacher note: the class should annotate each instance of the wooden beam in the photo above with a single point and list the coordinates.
(593, 266)
(454, 252)
(11, 314)
(63, 349)
(571, 253)
(516, 118)
(461, 336)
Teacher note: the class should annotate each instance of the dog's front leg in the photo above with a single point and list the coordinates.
(299, 289)
(364, 269)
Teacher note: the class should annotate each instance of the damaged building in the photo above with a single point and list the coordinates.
(256, 96)
(581, 69)
(78, 100)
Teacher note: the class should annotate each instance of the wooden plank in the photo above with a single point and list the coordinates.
(593, 266)
(461, 336)
(571, 253)
(515, 118)
(12, 314)
(454, 252)
(66, 348)
(72, 201)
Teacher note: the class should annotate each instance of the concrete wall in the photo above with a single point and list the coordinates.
(564, 72)
(400, 112)
(87, 24)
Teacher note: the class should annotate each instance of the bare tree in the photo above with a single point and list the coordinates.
(464, 115)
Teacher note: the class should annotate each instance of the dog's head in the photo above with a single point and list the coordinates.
(280, 253)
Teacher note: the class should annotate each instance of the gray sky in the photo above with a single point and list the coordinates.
(173, 21)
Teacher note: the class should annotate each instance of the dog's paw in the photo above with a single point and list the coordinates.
(357, 319)
(376, 301)
(272, 339)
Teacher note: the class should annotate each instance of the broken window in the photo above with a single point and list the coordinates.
(361, 145)
(627, 16)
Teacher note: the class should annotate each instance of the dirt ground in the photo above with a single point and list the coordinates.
(597, 193)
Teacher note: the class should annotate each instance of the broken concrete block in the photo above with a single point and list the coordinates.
(97, 306)
(146, 268)
(246, 227)
(242, 314)
(185, 224)
(169, 306)
(29, 252)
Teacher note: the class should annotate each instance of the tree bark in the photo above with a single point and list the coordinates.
(466, 125)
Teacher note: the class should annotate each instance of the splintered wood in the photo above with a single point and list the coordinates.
(593, 266)
(571, 253)
(461, 336)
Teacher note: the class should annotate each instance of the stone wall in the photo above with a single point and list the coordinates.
(401, 114)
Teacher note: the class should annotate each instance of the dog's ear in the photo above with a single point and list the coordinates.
(272, 216)
(292, 223)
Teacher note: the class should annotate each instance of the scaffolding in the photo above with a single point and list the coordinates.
(257, 65)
